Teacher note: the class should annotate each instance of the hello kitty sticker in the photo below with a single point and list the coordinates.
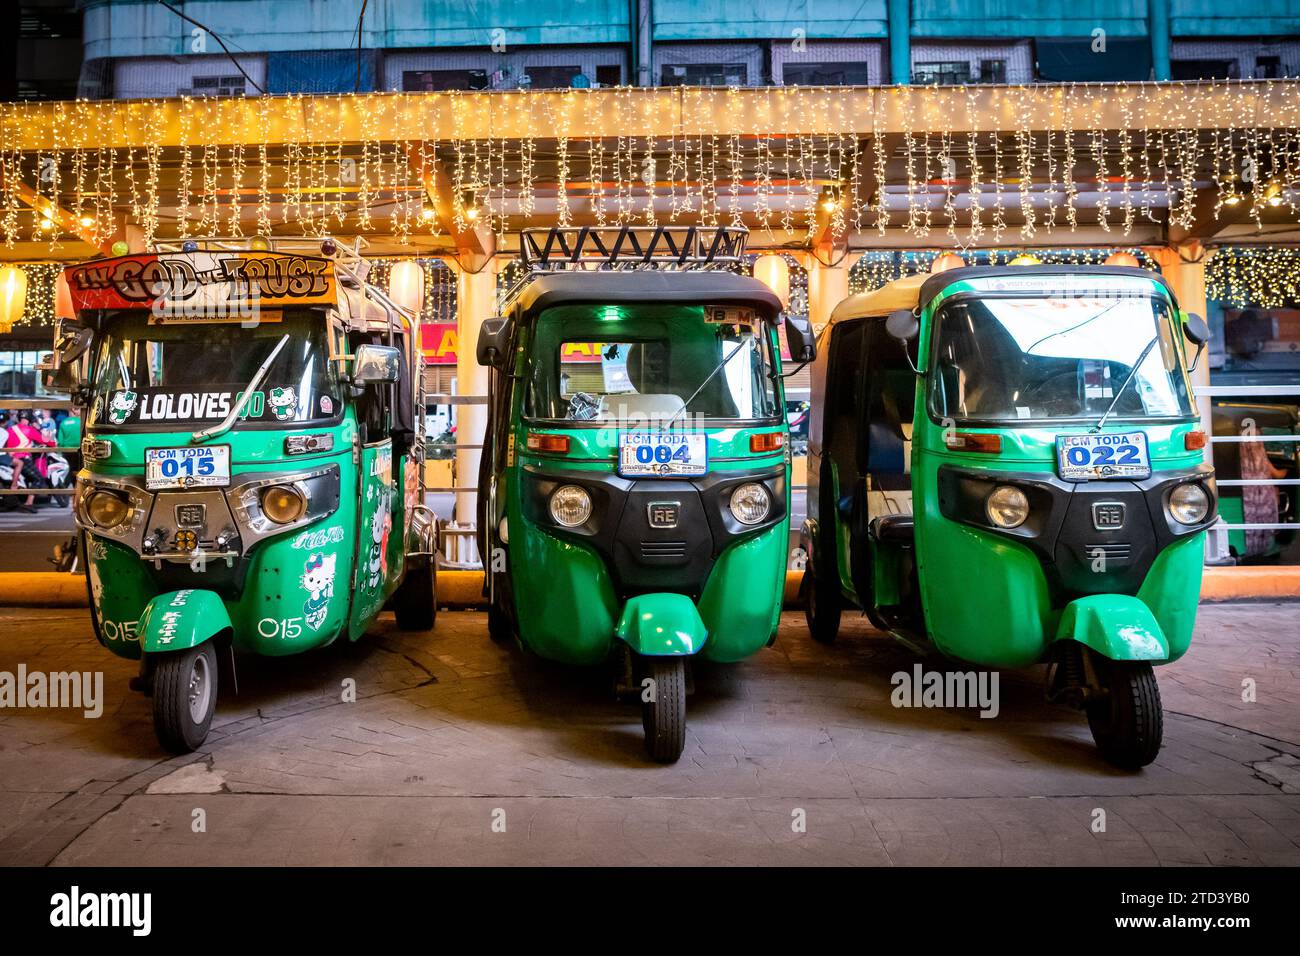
(318, 582)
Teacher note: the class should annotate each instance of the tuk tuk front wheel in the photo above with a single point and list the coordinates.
(185, 697)
(415, 602)
(1126, 719)
(663, 706)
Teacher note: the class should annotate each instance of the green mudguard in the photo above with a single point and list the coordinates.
(179, 620)
(1117, 626)
(661, 625)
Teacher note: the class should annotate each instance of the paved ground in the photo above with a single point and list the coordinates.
(451, 732)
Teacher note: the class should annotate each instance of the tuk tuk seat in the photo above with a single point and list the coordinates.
(892, 529)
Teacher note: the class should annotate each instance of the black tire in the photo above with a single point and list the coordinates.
(1127, 720)
(502, 628)
(185, 697)
(822, 602)
(415, 602)
(664, 717)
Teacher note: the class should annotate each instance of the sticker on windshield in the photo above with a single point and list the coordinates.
(283, 402)
(182, 406)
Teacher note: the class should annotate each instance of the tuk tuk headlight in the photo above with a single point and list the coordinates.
(283, 504)
(1007, 507)
(107, 509)
(750, 503)
(570, 506)
(1189, 504)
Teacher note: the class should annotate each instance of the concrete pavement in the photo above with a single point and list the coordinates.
(458, 751)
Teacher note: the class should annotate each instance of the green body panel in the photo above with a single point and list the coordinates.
(179, 620)
(740, 608)
(1117, 626)
(1172, 590)
(380, 550)
(564, 599)
(661, 625)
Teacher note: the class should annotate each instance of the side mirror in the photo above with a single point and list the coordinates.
(376, 364)
(902, 325)
(59, 368)
(55, 375)
(1197, 331)
(493, 342)
(800, 338)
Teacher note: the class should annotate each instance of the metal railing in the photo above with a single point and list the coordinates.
(1251, 391)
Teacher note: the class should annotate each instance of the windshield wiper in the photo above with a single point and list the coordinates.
(229, 421)
(1131, 375)
(716, 369)
(1072, 328)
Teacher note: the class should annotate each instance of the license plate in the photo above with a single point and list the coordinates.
(662, 454)
(1085, 457)
(201, 467)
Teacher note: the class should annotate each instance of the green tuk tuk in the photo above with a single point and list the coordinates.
(634, 489)
(1006, 465)
(252, 476)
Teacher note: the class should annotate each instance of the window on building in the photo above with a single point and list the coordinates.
(432, 81)
(218, 86)
(704, 74)
(551, 77)
(1268, 67)
(18, 373)
(1203, 70)
(49, 23)
(1067, 60)
(825, 74)
(611, 75)
(993, 71)
(941, 72)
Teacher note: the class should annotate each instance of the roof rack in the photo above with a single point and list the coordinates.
(632, 247)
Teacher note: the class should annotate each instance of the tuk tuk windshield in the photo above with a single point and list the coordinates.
(1045, 356)
(174, 375)
(606, 363)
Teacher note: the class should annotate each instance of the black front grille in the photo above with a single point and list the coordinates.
(1114, 552)
(663, 549)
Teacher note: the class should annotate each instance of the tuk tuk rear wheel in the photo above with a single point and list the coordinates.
(822, 604)
(415, 602)
(1127, 720)
(185, 697)
(664, 716)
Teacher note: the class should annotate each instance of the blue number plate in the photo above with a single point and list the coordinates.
(1085, 457)
(204, 466)
(662, 454)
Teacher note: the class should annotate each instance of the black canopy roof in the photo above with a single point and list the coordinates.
(702, 287)
(937, 283)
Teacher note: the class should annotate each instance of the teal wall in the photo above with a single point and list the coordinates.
(936, 19)
(126, 28)
(135, 28)
(1211, 18)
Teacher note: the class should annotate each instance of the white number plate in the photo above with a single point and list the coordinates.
(662, 454)
(1083, 457)
(200, 467)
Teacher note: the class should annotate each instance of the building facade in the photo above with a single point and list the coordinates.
(139, 48)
